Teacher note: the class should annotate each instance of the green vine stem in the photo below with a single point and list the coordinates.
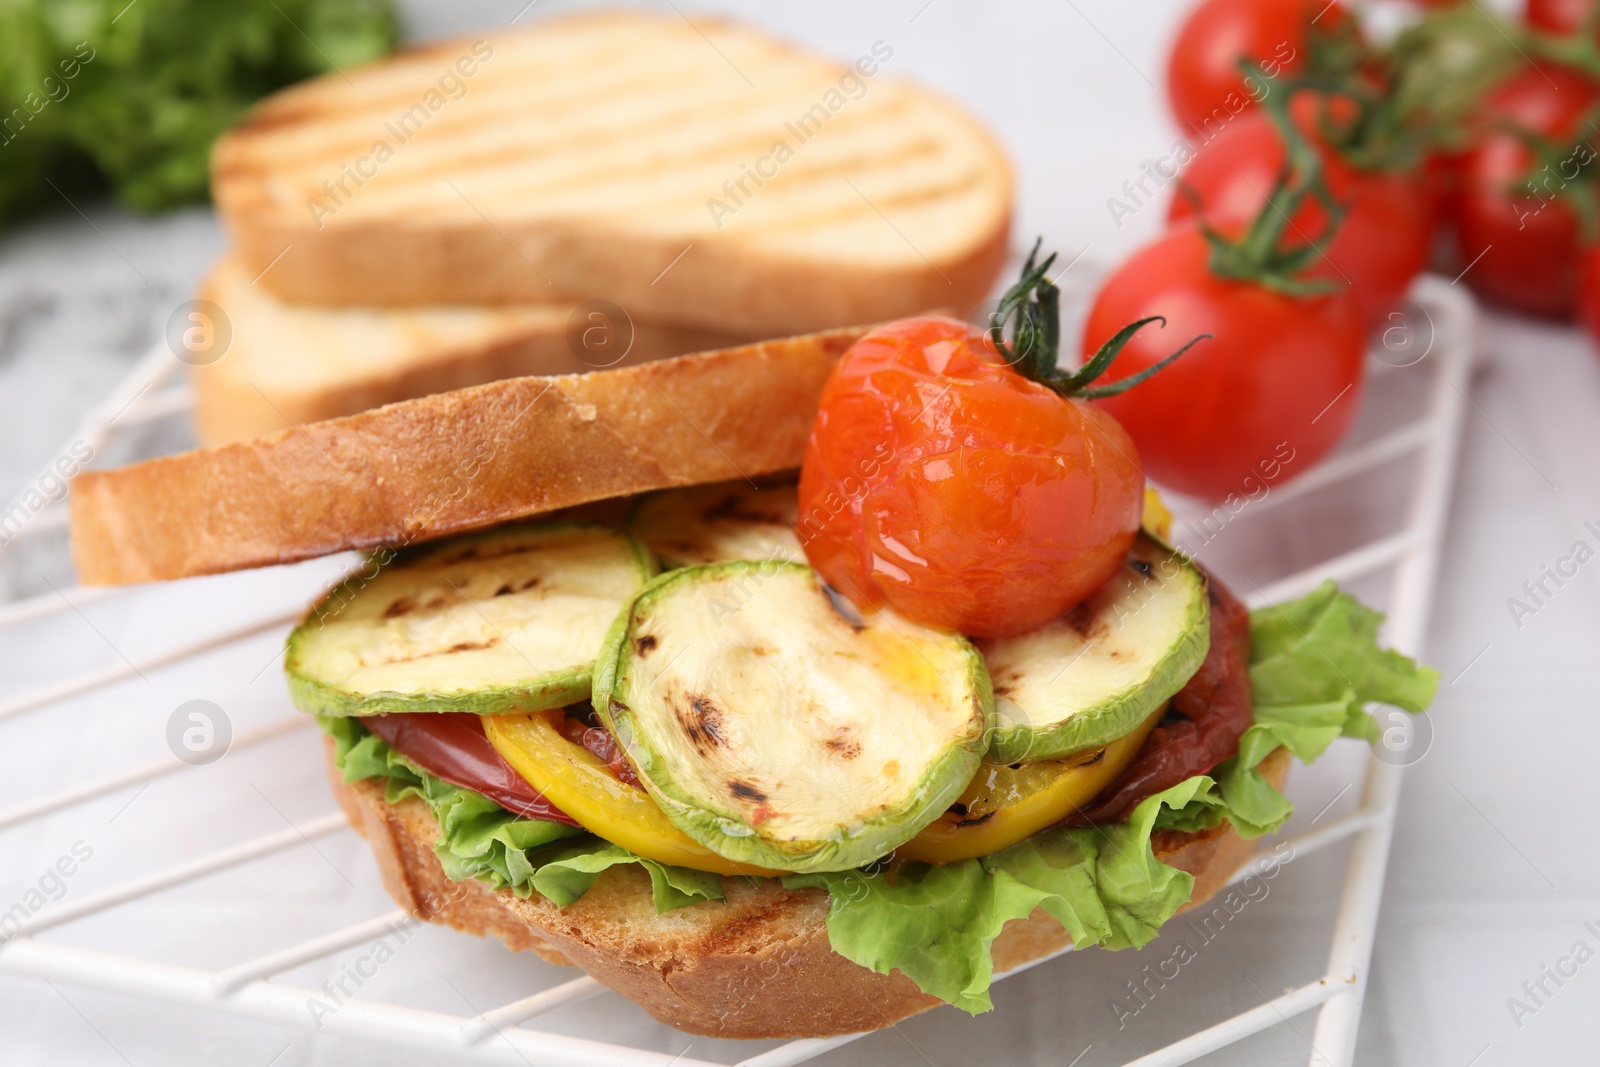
(1035, 349)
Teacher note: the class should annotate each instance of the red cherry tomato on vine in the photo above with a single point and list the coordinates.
(1264, 400)
(1525, 243)
(1382, 243)
(947, 485)
(1557, 16)
(1205, 87)
(1589, 291)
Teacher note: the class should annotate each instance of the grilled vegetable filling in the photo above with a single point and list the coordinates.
(777, 731)
(505, 620)
(1091, 676)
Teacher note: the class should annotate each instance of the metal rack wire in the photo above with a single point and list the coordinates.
(249, 988)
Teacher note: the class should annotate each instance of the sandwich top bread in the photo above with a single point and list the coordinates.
(694, 172)
(719, 743)
(454, 461)
(289, 364)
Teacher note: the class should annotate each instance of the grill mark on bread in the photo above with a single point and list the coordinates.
(666, 163)
(419, 173)
(259, 155)
(518, 103)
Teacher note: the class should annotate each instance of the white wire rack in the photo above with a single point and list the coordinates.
(1426, 438)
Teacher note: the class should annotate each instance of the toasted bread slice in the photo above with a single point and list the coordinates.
(691, 171)
(454, 461)
(757, 966)
(289, 364)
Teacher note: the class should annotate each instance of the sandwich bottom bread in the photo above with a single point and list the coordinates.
(755, 966)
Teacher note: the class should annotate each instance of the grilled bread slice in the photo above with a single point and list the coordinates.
(441, 464)
(289, 364)
(691, 171)
(757, 966)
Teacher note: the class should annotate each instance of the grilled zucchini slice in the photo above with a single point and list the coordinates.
(501, 621)
(1093, 675)
(779, 732)
(715, 523)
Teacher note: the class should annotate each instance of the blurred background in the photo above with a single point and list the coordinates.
(1492, 877)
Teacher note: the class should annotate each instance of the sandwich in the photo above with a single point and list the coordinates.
(774, 755)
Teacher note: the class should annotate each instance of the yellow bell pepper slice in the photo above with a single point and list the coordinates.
(1157, 520)
(1004, 805)
(579, 783)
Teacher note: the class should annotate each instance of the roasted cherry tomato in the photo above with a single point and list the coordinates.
(1271, 394)
(942, 482)
(1381, 245)
(1519, 242)
(1205, 86)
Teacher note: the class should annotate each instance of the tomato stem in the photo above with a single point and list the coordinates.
(1035, 349)
(1260, 254)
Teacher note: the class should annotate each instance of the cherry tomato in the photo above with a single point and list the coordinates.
(1525, 243)
(1557, 16)
(1589, 291)
(1270, 394)
(945, 484)
(1205, 87)
(1382, 243)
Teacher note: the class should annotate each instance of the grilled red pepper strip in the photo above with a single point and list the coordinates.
(452, 746)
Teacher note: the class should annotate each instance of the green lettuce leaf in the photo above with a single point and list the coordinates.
(1315, 665)
(480, 839)
(132, 95)
(936, 924)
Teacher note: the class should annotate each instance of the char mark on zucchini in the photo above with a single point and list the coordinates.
(701, 722)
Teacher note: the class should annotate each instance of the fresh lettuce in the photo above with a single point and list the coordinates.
(1315, 664)
(480, 839)
(97, 92)
(935, 924)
